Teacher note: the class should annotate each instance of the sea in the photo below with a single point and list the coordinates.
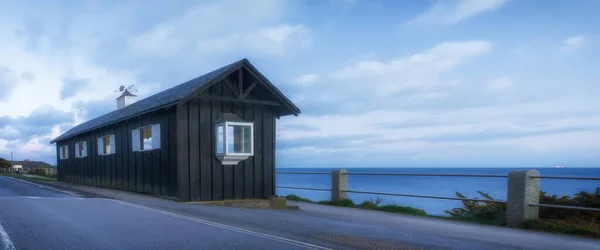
(433, 186)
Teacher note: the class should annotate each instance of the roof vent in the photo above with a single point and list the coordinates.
(126, 98)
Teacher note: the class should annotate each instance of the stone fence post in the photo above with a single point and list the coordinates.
(522, 191)
(339, 185)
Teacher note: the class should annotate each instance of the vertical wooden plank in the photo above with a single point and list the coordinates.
(156, 162)
(103, 168)
(148, 167)
(94, 155)
(147, 171)
(164, 154)
(206, 151)
(194, 154)
(124, 156)
(113, 160)
(131, 157)
(249, 163)
(217, 168)
(258, 152)
(183, 166)
(268, 152)
(228, 183)
(139, 163)
(238, 170)
(118, 157)
(173, 152)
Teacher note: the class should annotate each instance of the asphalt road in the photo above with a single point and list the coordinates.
(55, 220)
(33, 217)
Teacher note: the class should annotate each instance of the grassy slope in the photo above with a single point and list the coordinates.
(541, 225)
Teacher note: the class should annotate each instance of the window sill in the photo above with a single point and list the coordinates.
(147, 150)
(232, 159)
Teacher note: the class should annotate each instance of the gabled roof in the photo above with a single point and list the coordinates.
(173, 96)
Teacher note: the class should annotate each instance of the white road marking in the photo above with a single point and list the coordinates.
(223, 226)
(5, 240)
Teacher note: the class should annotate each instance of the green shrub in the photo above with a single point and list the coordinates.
(403, 210)
(368, 205)
(569, 221)
(342, 203)
(292, 197)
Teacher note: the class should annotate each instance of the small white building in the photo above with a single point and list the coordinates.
(18, 167)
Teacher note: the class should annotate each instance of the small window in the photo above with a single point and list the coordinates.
(239, 138)
(234, 139)
(106, 145)
(64, 152)
(81, 149)
(146, 138)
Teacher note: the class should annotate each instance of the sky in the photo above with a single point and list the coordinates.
(414, 83)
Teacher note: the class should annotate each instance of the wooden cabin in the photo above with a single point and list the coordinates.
(210, 138)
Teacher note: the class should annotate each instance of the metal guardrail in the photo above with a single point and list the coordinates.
(568, 178)
(303, 188)
(566, 207)
(442, 197)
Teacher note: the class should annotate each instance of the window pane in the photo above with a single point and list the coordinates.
(220, 139)
(146, 138)
(80, 149)
(106, 144)
(239, 139)
(230, 140)
(247, 141)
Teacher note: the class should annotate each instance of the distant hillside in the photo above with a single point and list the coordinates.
(32, 164)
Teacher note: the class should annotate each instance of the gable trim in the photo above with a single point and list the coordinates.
(245, 64)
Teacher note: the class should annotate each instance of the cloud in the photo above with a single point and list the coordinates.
(392, 82)
(573, 43)
(500, 84)
(7, 82)
(249, 25)
(306, 80)
(267, 41)
(443, 13)
(71, 86)
(38, 123)
(480, 131)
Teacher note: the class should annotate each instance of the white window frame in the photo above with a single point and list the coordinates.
(100, 144)
(227, 158)
(85, 149)
(246, 124)
(64, 154)
(136, 138)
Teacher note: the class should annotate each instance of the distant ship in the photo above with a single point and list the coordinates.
(560, 166)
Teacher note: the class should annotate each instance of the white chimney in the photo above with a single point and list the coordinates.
(126, 99)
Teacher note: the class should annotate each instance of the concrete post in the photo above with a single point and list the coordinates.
(522, 191)
(339, 183)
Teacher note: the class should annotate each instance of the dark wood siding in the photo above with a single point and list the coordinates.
(185, 166)
(147, 172)
(208, 179)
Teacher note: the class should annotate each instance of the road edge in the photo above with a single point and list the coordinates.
(44, 186)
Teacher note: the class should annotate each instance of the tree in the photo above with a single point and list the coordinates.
(4, 163)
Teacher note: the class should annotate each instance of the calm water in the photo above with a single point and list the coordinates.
(437, 186)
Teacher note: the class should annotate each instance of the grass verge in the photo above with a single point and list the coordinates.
(40, 179)
(369, 205)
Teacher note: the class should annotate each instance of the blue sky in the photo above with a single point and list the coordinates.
(440, 83)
